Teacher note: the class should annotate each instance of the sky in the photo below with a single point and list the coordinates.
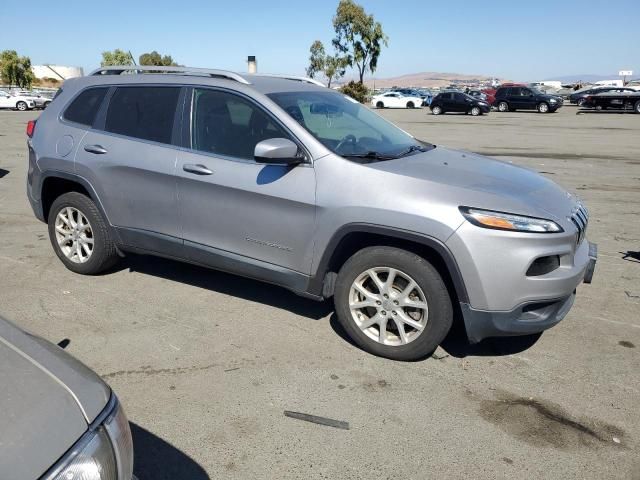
(527, 41)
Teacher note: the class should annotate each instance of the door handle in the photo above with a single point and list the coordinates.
(97, 149)
(198, 169)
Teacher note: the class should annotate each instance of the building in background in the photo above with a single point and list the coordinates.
(57, 72)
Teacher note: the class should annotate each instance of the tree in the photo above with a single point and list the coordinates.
(331, 66)
(117, 57)
(356, 90)
(16, 70)
(358, 36)
(154, 58)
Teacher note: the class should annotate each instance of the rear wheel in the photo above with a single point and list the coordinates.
(79, 235)
(437, 110)
(379, 105)
(503, 107)
(475, 111)
(22, 106)
(543, 107)
(393, 303)
(581, 101)
(410, 105)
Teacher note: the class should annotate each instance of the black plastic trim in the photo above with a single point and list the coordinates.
(317, 281)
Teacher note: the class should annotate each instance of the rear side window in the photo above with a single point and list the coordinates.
(143, 112)
(84, 108)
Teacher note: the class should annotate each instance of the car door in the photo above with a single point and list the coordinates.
(459, 103)
(5, 100)
(528, 99)
(129, 159)
(391, 100)
(237, 213)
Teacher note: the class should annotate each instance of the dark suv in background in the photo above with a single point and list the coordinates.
(458, 102)
(580, 96)
(525, 98)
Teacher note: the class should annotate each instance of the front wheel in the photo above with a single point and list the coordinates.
(503, 107)
(543, 107)
(436, 110)
(393, 303)
(475, 111)
(22, 106)
(636, 107)
(79, 235)
(379, 105)
(410, 105)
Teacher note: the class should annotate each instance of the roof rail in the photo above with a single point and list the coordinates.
(291, 77)
(118, 70)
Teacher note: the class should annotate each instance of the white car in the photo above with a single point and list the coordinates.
(395, 100)
(40, 101)
(17, 102)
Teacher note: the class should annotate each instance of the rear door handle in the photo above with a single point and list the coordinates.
(198, 169)
(97, 149)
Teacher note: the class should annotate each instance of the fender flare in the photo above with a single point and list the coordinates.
(317, 281)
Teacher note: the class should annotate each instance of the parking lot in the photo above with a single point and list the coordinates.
(205, 363)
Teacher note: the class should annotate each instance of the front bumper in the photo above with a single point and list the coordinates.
(528, 318)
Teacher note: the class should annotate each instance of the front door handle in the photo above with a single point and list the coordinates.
(97, 149)
(197, 169)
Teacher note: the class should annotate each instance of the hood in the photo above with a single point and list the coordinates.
(482, 182)
(47, 400)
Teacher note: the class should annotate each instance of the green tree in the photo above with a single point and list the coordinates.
(154, 58)
(358, 36)
(16, 70)
(117, 57)
(356, 90)
(331, 66)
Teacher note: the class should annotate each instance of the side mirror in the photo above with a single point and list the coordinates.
(277, 151)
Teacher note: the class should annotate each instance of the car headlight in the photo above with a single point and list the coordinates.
(553, 100)
(508, 221)
(105, 452)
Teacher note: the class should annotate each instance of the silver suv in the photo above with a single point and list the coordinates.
(285, 181)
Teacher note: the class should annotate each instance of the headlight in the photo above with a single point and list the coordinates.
(508, 221)
(103, 453)
(553, 100)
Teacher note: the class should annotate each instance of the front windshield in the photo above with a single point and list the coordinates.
(345, 126)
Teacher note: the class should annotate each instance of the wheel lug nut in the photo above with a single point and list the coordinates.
(378, 302)
(395, 302)
(386, 296)
(383, 312)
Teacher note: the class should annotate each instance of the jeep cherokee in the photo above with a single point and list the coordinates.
(286, 181)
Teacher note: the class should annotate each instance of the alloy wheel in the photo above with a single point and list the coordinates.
(388, 306)
(74, 235)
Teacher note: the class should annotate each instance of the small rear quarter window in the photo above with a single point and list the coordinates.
(84, 108)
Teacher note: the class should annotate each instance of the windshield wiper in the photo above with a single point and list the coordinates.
(370, 155)
(411, 149)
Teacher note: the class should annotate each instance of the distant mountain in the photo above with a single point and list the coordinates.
(427, 79)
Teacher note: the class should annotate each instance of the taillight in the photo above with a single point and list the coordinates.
(31, 127)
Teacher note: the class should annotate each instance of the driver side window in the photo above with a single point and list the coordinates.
(229, 125)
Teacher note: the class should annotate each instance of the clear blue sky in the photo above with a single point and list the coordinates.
(519, 40)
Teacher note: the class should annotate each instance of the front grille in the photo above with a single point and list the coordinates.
(580, 218)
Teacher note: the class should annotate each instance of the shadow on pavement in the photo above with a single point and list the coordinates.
(457, 345)
(631, 256)
(3, 172)
(228, 284)
(155, 459)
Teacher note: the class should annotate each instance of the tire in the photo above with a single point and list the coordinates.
(636, 107)
(543, 107)
(433, 316)
(437, 110)
(410, 105)
(503, 107)
(103, 251)
(475, 111)
(581, 101)
(22, 106)
(379, 105)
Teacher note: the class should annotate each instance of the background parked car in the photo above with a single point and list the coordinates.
(477, 94)
(458, 102)
(59, 419)
(15, 102)
(616, 99)
(396, 100)
(39, 100)
(525, 98)
(580, 96)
